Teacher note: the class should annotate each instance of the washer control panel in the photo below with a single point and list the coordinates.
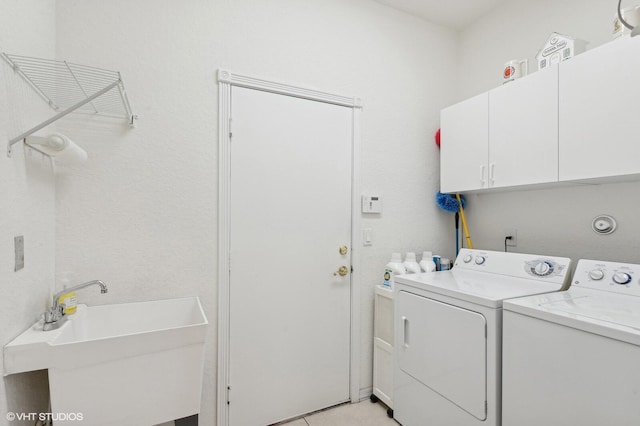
(529, 266)
(608, 276)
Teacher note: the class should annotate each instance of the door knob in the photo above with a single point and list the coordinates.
(343, 250)
(342, 271)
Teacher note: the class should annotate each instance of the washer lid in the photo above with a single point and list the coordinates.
(486, 289)
(607, 314)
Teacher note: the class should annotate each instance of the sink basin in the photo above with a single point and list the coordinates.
(104, 358)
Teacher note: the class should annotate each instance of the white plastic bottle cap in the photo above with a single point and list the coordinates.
(411, 257)
(396, 258)
(427, 255)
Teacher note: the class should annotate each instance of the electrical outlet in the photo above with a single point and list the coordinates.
(513, 242)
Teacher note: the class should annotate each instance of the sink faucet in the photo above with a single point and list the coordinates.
(55, 317)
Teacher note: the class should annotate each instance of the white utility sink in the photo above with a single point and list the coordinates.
(123, 364)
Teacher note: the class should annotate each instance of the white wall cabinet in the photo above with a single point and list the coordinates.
(523, 131)
(464, 151)
(575, 121)
(599, 112)
(505, 137)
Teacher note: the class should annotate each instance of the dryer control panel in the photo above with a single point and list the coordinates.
(529, 266)
(614, 277)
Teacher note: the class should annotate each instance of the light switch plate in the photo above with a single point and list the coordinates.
(18, 243)
(367, 237)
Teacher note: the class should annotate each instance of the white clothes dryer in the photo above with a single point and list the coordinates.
(573, 358)
(448, 333)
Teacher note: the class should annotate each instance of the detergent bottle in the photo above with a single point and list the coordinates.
(393, 268)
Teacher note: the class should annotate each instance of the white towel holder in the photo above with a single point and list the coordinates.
(68, 87)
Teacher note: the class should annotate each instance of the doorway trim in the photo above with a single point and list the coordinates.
(226, 80)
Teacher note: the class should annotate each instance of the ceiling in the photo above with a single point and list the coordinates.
(450, 13)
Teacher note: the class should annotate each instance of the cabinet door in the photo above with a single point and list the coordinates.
(464, 145)
(599, 112)
(523, 130)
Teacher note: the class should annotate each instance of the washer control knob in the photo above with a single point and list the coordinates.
(596, 274)
(467, 258)
(480, 260)
(542, 269)
(621, 278)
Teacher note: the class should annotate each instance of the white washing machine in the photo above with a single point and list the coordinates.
(448, 334)
(573, 358)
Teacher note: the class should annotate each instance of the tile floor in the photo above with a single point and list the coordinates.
(364, 413)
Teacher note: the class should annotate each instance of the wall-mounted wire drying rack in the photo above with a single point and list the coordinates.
(68, 87)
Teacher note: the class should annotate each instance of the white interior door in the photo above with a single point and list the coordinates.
(290, 212)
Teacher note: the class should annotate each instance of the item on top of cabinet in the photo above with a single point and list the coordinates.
(427, 264)
(626, 21)
(393, 268)
(514, 69)
(559, 48)
(411, 264)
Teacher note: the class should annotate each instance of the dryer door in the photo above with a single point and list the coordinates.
(445, 348)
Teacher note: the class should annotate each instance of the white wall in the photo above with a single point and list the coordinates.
(27, 27)
(549, 221)
(141, 213)
(519, 29)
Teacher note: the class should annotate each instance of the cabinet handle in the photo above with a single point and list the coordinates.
(492, 168)
(482, 179)
(405, 332)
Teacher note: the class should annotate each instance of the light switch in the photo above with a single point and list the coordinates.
(371, 204)
(367, 237)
